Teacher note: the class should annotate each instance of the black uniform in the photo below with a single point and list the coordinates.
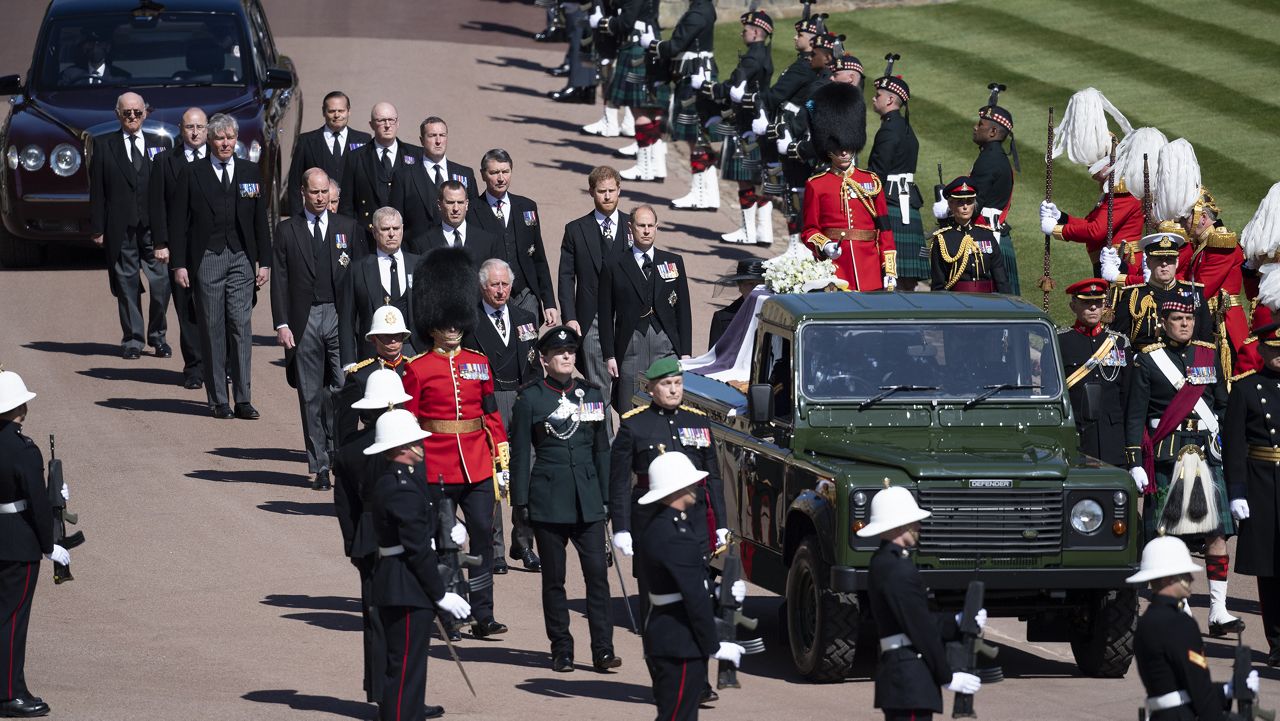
(981, 265)
(680, 633)
(893, 159)
(24, 536)
(353, 390)
(1137, 311)
(789, 93)
(686, 53)
(565, 490)
(909, 678)
(992, 176)
(406, 586)
(1097, 398)
(312, 151)
(740, 160)
(802, 159)
(1171, 658)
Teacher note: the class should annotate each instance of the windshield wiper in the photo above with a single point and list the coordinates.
(886, 391)
(992, 390)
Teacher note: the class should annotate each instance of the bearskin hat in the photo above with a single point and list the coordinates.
(445, 292)
(838, 119)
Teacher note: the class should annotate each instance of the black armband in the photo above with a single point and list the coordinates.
(489, 404)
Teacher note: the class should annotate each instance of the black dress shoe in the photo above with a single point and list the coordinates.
(562, 663)
(559, 71)
(247, 412)
(606, 661)
(164, 351)
(192, 383)
(433, 712)
(24, 708)
(551, 35)
(500, 568)
(222, 412)
(584, 95)
(130, 354)
(530, 560)
(1273, 658)
(1221, 629)
(321, 483)
(485, 629)
(455, 634)
(709, 696)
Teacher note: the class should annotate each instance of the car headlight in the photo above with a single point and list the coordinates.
(64, 160)
(32, 158)
(12, 157)
(255, 151)
(1086, 516)
(239, 149)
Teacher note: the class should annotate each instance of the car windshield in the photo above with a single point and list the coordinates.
(119, 50)
(954, 361)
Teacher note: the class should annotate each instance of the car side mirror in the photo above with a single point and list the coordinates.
(760, 403)
(10, 84)
(278, 79)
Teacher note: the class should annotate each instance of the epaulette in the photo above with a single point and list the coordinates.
(1152, 348)
(981, 223)
(1131, 286)
(819, 175)
(634, 411)
(691, 409)
(360, 365)
(1065, 329)
(1246, 374)
(1191, 283)
(416, 357)
(1204, 344)
(471, 350)
(587, 383)
(943, 229)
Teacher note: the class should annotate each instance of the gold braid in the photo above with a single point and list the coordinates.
(960, 261)
(847, 183)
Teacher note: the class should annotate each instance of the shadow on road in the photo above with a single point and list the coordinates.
(554, 123)
(307, 702)
(617, 611)
(485, 26)
(1019, 663)
(329, 620)
(81, 349)
(603, 690)
(319, 603)
(271, 478)
(510, 62)
(297, 508)
(284, 455)
(505, 655)
(158, 405)
(569, 166)
(506, 89)
(158, 376)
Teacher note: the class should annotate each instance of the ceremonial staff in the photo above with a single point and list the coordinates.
(1046, 282)
(1108, 305)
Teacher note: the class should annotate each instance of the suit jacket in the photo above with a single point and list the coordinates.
(480, 244)
(311, 151)
(194, 213)
(167, 171)
(361, 294)
(623, 298)
(118, 194)
(512, 363)
(581, 258)
(529, 258)
(415, 195)
(365, 185)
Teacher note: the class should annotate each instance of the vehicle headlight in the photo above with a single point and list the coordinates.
(32, 158)
(1086, 516)
(65, 159)
(255, 151)
(12, 157)
(239, 149)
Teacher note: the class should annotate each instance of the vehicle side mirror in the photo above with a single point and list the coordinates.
(278, 79)
(10, 84)
(760, 403)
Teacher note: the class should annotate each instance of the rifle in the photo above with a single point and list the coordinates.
(1246, 698)
(61, 516)
(1046, 283)
(452, 558)
(729, 614)
(963, 655)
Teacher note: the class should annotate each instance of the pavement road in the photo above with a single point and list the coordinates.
(213, 585)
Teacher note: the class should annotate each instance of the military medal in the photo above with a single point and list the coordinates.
(530, 217)
(672, 299)
(344, 259)
(564, 420)
(695, 437)
(409, 160)
(340, 241)
(668, 271)
(474, 371)
(526, 332)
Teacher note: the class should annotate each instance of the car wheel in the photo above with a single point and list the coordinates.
(18, 252)
(1102, 641)
(822, 625)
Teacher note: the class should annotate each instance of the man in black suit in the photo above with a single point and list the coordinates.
(119, 218)
(415, 189)
(167, 169)
(325, 147)
(506, 337)
(644, 307)
(312, 254)
(220, 236)
(514, 219)
(456, 229)
(380, 279)
(94, 66)
(588, 242)
(367, 172)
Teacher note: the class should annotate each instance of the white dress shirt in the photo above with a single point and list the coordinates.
(323, 219)
(448, 233)
(192, 153)
(506, 207)
(506, 321)
(393, 147)
(342, 139)
(217, 168)
(384, 271)
(129, 147)
(640, 255)
(431, 168)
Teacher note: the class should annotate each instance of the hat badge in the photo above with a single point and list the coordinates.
(389, 318)
(562, 335)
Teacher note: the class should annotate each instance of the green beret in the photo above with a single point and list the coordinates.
(663, 367)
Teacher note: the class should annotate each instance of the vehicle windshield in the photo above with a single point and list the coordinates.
(116, 49)
(954, 361)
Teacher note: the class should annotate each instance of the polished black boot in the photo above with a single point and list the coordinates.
(559, 71)
(585, 95)
(552, 35)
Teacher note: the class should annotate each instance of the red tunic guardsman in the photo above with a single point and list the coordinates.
(1260, 242)
(452, 397)
(845, 213)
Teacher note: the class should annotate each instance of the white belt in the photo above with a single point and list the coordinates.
(15, 507)
(640, 25)
(691, 55)
(903, 181)
(791, 107)
(1173, 699)
(385, 551)
(664, 599)
(993, 219)
(897, 640)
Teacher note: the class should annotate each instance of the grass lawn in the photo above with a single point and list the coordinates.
(1202, 72)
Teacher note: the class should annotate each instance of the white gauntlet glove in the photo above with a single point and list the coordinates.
(761, 124)
(964, 683)
(831, 249)
(622, 542)
(59, 555)
(784, 143)
(458, 534)
(454, 604)
(596, 16)
(738, 590)
(647, 37)
(941, 209)
(1139, 476)
(1240, 509)
(732, 653)
(736, 92)
(1109, 261)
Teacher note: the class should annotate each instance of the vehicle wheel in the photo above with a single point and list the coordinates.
(19, 253)
(822, 625)
(1103, 642)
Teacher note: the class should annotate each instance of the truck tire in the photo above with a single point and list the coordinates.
(19, 253)
(1103, 643)
(822, 625)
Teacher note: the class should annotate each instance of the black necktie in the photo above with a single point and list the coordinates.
(136, 150)
(318, 237)
(395, 279)
(647, 268)
(386, 160)
(226, 177)
(439, 177)
(457, 238)
(337, 146)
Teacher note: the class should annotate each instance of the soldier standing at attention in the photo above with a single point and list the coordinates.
(965, 256)
(893, 159)
(1096, 361)
(1137, 309)
(913, 664)
(562, 492)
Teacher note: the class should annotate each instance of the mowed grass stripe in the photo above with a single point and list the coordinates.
(1151, 17)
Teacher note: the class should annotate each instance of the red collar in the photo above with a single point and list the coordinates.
(546, 382)
(392, 364)
(1091, 332)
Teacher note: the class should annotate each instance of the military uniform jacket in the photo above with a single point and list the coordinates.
(791, 86)
(1170, 655)
(672, 558)
(895, 151)
(1137, 311)
(25, 535)
(695, 32)
(802, 150)
(567, 481)
(953, 259)
(1150, 393)
(353, 390)
(622, 25)
(830, 204)
(1253, 400)
(641, 431)
(456, 388)
(755, 66)
(404, 514)
(992, 176)
(354, 475)
(1101, 424)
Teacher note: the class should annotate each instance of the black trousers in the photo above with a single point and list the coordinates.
(588, 538)
(184, 302)
(1269, 600)
(404, 688)
(907, 715)
(677, 686)
(475, 500)
(374, 636)
(17, 587)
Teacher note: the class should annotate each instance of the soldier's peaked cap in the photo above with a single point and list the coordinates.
(558, 338)
(445, 291)
(1089, 289)
(1269, 335)
(839, 119)
(961, 187)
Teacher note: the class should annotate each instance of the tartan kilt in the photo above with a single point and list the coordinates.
(739, 161)
(685, 122)
(1010, 261)
(630, 84)
(908, 239)
(1154, 503)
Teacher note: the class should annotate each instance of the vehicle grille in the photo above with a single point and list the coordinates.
(1005, 527)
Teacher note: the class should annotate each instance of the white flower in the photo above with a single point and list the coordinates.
(787, 273)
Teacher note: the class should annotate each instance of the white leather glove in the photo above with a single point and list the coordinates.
(1109, 261)
(784, 143)
(1240, 509)
(1049, 210)
(458, 534)
(697, 80)
(66, 492)
(761, 123)
(891, 282)
(722, 536)
(1250, 682)
(730, 652)
(962, 682)
(980, 617)
(941, 209)
(1146, 273)
(1047, 224)
(738, 590)
(831, 249)
(647, 37)
(1139, 476)
(59, 555)
(596, 16)
(736, 92)
(622, 542)
(504, 479)
(454, 604)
